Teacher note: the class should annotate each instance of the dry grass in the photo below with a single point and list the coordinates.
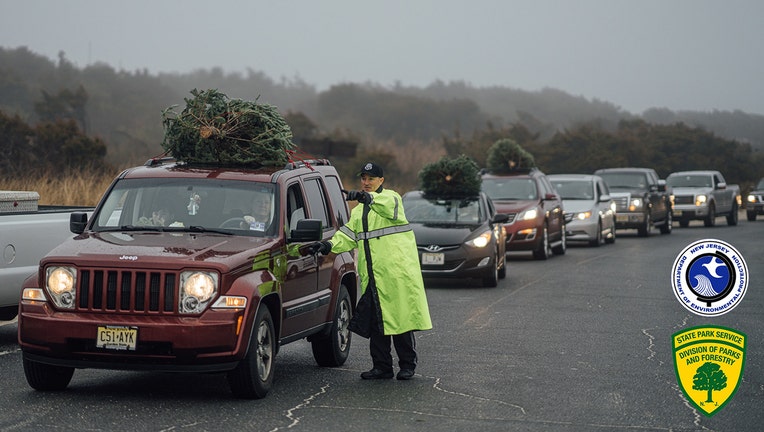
(85, 187)
(77, 189)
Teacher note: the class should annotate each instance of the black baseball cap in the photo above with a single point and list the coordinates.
(371, 169)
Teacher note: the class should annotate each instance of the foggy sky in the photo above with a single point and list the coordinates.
(679, 54)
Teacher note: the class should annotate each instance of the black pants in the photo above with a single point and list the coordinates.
(405, 346)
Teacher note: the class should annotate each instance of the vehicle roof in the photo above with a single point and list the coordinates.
(624, 169)
(589, 177)
(694, 172)
(421, 194)
(176, 169)
(534, 172)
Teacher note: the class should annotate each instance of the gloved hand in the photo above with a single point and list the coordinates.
(322, 247)
(362, 197)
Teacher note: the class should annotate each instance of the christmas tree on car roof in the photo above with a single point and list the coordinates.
(450, 178)
(506, 156)
(213, 129)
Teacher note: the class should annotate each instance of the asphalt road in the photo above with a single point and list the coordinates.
(581, 342)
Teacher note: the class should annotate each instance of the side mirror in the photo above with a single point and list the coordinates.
(661, 186)
(551, 197)
(604, 198)
(77, 222)
(500, 218)
(721, 185)
(306, 230)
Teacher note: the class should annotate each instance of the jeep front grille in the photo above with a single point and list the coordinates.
(127, 291)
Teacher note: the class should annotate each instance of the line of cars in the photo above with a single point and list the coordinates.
(529, 211)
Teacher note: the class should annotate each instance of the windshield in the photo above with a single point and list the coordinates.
(225, 206)
(421, 210)
(689, 181)
(625, 180)
(760, 185)
(510, 188)
(574, 189)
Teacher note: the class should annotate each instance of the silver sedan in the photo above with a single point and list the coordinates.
(588, 207)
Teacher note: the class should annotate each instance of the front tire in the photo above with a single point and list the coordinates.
(45, 377)
(253, 377)
(710, 219)
(732, 217)
(333, 349)
(542, 251)
(563, 246)
(644, 230)
(668, 223)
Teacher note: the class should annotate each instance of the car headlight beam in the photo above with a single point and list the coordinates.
(480, 241)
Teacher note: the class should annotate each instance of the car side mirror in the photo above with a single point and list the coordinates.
(604, 198)
(551, 197)
(500, 218)
(661, 187)
(721, 185)
(77, 222)
(307, 230)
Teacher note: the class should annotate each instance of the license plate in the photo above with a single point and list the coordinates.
(430, 258)
(622, 218)
(677, 212)
(120, 338)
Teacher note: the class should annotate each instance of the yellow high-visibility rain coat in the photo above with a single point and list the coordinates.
(388, 262)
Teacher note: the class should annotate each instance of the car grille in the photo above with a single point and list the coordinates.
(127, 291)
(621, 203)
(684, 199)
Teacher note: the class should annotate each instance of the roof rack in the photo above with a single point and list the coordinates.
(159, 161)
(302, 163)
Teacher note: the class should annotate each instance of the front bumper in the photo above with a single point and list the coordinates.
(688, 212)
(163, 343)
(457, 262)
(627, 220)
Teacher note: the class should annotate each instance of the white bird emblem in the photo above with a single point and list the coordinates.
(711, 267)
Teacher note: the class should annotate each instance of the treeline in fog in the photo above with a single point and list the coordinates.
(54, 114)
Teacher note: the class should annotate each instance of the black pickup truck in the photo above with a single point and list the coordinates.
(642, 199)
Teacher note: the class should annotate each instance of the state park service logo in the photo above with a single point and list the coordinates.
(709, 365)
(709, 277)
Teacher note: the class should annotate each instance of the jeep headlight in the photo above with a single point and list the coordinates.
(751, 198)
(197, 289)
(583, 215)
(61, 283)
(700, 200)
(480, 241)
(529, 214)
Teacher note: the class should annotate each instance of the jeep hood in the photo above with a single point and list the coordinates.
(167, 250)
(444, 234)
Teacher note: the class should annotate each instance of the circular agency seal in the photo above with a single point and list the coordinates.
(709, 277)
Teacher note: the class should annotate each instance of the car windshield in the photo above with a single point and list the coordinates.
(760, 185)
(510, 188)
(625, 180)
(177, 204)
(422, 210)
(574, 189)
(689, 181)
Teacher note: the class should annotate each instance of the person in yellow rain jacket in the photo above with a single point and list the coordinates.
(393, 303)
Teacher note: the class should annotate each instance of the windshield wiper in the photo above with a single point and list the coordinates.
(198, 228)
(139, 228)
